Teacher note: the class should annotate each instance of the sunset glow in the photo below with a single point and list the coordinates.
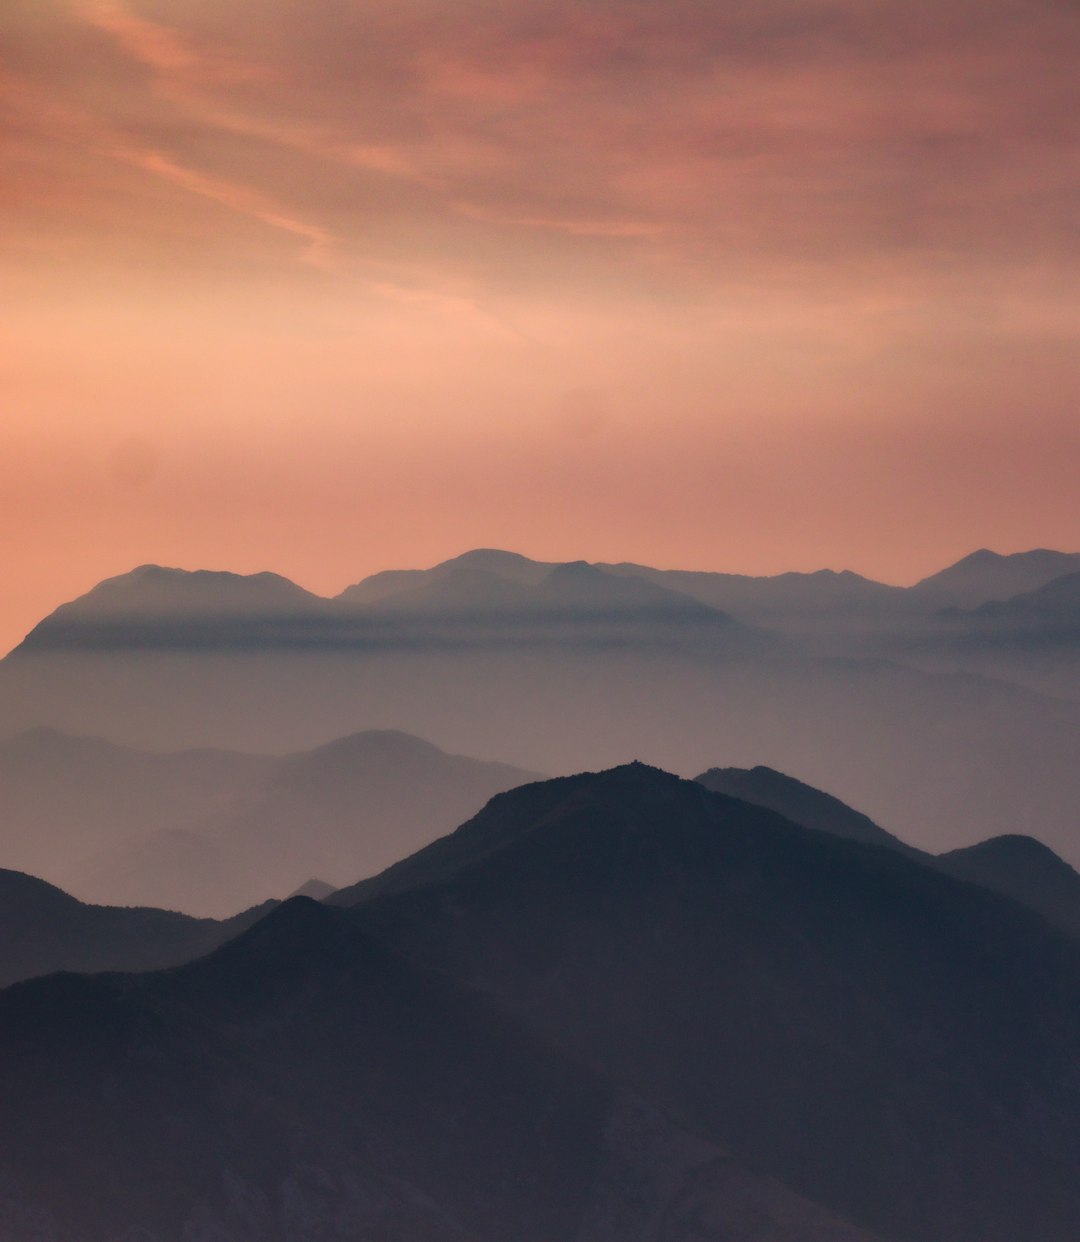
(334, 286)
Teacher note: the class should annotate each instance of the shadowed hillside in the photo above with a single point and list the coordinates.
(305, 1082)
(888, 1040)
(43, 929)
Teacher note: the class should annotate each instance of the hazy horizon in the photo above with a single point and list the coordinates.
(16, 623)
(336, 287)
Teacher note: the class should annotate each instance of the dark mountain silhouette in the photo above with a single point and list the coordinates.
(801, 803)
(43, 929)
(1018, 867)
(1024, 869)
(882, 1038)
(304, 1082)
(985, 576)
(120, 826)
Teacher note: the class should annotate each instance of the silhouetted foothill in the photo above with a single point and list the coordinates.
(607, 1001)
(843, 1016)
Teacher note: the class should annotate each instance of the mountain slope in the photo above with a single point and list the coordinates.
(880, 1037)
(304, 1083)
(1018, 867)
(801, 803)
(1024, 869)
(43, 929)
(985, 576)
(510, 567)
(157, 607)
(479, 599)
(791, 602)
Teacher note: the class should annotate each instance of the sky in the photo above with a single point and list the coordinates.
(332, 286)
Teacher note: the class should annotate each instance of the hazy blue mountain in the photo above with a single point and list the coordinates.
(160, 608)
(580, 589)
(1048, 610)
(801, 803)
(317, 890)
(882, 1038)
(349, 809)
(985, 576)
(1024, 869)
(153, 609)
(508, 566)
(493, 587)
(594, 671)
(157, 608)
(65, 800)
(942, 759)
(1032, 638)
(793, 602)
(213, 832)
(469, 605)
(465, 592)
(43, 929)
(305, 1082)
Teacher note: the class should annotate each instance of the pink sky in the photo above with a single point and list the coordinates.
(328, 286)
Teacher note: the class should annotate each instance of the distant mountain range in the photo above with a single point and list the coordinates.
(1032, 638)
(950, 726)
(211, 832)
(610, 1007)
(985, 576)
(157, 608)
(160, 609)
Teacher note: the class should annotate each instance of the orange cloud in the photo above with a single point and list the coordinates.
(162, 48)
(236, 197)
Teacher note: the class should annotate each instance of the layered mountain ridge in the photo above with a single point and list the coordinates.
(857, 687)
(612, 1007)
(158, 606)
(211, 832)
